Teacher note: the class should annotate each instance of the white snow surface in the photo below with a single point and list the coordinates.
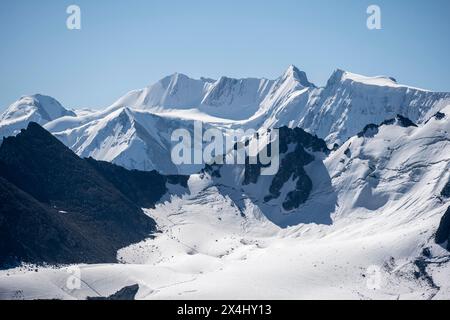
(35, 108)
(215, 244)
(135, 130)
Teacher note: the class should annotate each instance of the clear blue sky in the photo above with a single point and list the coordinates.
(126, 45)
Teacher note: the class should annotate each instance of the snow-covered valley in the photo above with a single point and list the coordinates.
(364, 230)
(207, 250)
(379, 246)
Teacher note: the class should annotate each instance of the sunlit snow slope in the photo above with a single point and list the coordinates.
(135, 130)
(217, 242)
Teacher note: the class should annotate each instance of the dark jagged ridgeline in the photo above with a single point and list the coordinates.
(57, 208)
(443, 233)
(296, 146)
(401, 121)
(125, 294)
(439, 116)
(371, 129)
(135, 184)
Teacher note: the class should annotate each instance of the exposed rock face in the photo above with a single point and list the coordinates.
(296, 151)
(439, 116)
(136, 184)
(292, 165)
(446, 191)
(369, 131)
(372, 130)
(31, 231)
(443, 233)
(400, 121)
(127, 293)
(58, 208)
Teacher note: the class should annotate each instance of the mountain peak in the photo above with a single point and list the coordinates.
(292, 69)
(34, 127)
(300, 76)
(69, 201)
(45, 108)
(340, 75)
(35, 138)
(336, 77)
(173, 79)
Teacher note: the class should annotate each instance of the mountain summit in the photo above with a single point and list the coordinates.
(334, 113)
(36, 108)
(58, 208)
(298, 75)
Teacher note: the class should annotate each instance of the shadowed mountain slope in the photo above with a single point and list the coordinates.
(59, 208)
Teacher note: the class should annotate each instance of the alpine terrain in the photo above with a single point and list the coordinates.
(358, 209)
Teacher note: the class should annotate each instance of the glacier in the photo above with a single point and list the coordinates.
(376, 200)
(135, 130)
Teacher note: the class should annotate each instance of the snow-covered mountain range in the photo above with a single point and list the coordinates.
(365, 230)
(135, 130)
(359, 208)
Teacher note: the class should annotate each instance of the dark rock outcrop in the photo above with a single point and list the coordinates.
(372, 130)
(292, 167)
(401, 121)
(446, 191)
(127, 293)
(34, 232)
(57, 208)
(296, 148)
(443, 232)
(369, 131)
(439, 116)
(135, 184)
